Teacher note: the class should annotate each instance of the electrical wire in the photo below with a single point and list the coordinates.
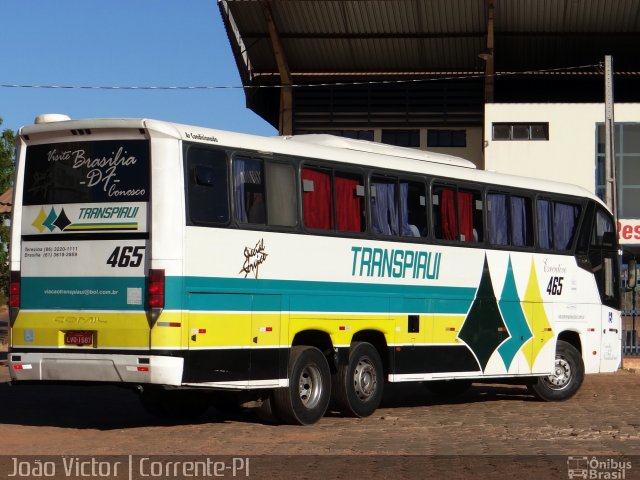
(584, 70)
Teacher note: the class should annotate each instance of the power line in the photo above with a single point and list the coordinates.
(582, 69)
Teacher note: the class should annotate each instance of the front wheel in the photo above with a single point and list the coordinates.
(567, 376)
(306, 399)
(357, 386)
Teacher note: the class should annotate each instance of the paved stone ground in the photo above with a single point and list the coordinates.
(603, 420)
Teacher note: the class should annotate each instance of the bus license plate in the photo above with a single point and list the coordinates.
(78, 338)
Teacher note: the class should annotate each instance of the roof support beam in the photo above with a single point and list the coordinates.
(488, 56)
(285, 124)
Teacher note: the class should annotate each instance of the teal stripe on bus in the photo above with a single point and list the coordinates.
(118, 293)
(82, 293)
(307, 296)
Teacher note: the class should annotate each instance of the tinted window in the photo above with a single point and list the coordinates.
(317, 198)
(87, 172)
(248, 190)
(282, 204)
(457, 214)
(557, 224)
(208, 196)
(509, 220)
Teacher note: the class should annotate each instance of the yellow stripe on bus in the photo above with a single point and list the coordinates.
(111, 329)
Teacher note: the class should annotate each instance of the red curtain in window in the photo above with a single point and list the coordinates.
(317, 204)
(347, 205)
(448, 213)
(465, 215)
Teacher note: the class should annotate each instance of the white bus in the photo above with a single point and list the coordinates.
(199, 265)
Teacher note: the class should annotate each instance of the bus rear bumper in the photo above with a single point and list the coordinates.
(86, 367)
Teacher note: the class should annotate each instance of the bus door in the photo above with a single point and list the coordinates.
(611, 340)
(604, 262)
(610, 320)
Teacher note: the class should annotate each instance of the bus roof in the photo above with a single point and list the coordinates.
(320, 147)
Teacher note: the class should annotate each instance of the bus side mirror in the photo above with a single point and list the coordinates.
(632, 278)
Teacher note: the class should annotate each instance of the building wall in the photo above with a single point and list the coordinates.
(570, 153)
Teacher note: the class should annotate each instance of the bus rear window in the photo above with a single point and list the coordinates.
(87, 172)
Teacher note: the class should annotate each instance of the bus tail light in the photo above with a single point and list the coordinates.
(155, 295)
(14, 296)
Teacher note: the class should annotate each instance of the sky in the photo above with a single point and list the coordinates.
(121, 43)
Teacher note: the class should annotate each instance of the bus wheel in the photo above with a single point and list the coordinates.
(566, 378)
(266, 411)
(174, 404)
(447, 388)
(357, 386)
(306, 399)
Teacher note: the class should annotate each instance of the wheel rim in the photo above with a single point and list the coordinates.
(561, 376)
(365, 379)
(310, 386)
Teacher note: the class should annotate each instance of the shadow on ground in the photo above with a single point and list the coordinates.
(112, 407)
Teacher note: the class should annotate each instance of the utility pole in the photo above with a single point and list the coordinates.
(611, 190)
(609, 152)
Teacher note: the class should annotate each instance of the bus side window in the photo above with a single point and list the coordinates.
(349, 190)
(557, 224)
(565, 223)
(413, 209)
(470, 210)
(317, 202)
(281, 195)
(207, 191)
(457, 214)
(509, 220)
(545, 224)
(384, 206)
(444, 213)
(521, 221)
(497, 221)
(248, 190)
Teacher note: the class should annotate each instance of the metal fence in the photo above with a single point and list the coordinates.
(630, 323)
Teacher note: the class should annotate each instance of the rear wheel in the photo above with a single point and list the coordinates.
(357, 386)
(266, 411)
(306, 399)
(566, 378)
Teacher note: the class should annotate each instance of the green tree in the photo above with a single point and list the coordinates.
(7, 171)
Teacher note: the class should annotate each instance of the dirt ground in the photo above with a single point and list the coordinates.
(490, 429)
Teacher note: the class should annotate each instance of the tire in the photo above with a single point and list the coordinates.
(266, 411)
(357, 386)
(447, 388)
(566, 379)
(306, 399)
(174, 404)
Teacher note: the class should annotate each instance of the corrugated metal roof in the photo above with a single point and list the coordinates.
(569, 16)
(437, 35)
(346, 40)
